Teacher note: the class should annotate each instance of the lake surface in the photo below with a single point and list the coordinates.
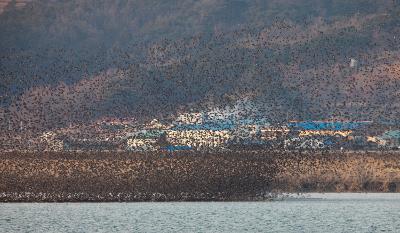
(310, 213)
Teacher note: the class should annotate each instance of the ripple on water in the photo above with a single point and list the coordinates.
(314, 215)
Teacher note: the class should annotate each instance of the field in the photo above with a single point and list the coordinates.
(192, 176)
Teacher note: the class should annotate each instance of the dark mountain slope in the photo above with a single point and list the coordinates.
(70, 61)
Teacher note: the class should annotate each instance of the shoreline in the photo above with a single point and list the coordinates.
(241, 176)
(126, 198)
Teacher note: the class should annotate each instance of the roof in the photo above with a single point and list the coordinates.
(176, 148)
(391, 134)
(326, 125)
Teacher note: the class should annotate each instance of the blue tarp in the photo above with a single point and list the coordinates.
(321, 125)
(176, 148)
(391, 134)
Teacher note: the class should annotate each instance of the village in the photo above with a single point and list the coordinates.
(205, 132)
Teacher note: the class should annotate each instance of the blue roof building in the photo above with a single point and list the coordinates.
(327, 125)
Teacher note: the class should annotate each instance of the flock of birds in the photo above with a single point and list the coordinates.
(292, 71)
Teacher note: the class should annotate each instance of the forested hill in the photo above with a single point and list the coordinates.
(74, 61)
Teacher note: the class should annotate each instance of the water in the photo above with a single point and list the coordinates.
(318, 213)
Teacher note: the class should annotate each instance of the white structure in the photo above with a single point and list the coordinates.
(353, 63)
(198, 138)
(134, 144)
(190, 118)
(300, 143)
(52, 144)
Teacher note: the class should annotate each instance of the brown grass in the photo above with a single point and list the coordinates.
(191, 176)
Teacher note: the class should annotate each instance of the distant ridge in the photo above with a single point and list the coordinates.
(64, 62)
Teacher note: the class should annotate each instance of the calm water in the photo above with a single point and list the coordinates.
(332, 213)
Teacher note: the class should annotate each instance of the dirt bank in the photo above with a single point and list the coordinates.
(191, 176)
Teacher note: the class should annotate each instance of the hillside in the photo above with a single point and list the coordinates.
(76, 61)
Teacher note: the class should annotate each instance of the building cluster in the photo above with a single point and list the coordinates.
(202, 132)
